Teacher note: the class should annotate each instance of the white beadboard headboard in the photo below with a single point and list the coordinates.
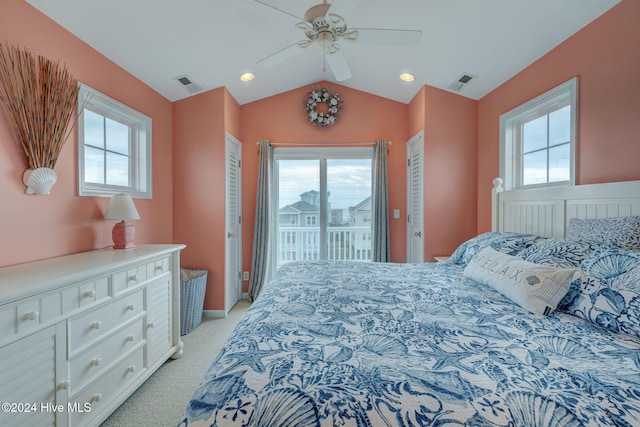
(546, 211)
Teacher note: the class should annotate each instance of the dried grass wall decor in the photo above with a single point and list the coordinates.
(40, 97)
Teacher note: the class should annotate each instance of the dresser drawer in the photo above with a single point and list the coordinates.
(158, 267)
(90, 363)
(24, 316)
(99, 394)
(88, 327)
(86, 293)
(129, 278)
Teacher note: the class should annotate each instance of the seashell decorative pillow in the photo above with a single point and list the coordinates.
(609, 294)
(535, 287)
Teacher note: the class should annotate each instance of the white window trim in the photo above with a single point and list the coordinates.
(510, 168)
(141, 167)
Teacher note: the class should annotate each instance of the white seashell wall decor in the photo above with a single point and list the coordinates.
(39, 180)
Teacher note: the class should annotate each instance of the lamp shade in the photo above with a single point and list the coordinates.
(121, 208)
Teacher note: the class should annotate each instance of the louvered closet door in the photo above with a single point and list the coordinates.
(415, 204)
(233, 247)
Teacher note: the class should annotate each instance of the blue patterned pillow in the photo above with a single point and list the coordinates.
(505, 242)
(558, 252)
(609, 293)
(622, 231)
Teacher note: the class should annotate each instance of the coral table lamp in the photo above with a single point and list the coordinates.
(122, 208)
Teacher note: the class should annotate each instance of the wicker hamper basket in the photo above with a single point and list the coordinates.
(193, 285)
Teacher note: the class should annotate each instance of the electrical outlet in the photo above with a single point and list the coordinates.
(245, 275)
(396, 213)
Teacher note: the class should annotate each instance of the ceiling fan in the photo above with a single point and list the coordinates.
(325, 24)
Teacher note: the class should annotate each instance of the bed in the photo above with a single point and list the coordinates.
(384, 344)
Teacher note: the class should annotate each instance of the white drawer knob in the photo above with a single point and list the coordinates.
(133, 278)
(32, 315)
(96, 325)
(64, 385)
(95, 398)
(131, 368)
(159, 268)
(89, 294)
(131, 337)
(131, 307)
(96, 361)
(151, 325)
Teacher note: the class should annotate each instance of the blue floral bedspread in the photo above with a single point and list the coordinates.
(382, 344)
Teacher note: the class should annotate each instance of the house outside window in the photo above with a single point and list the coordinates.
(114, 147)
(538, 140)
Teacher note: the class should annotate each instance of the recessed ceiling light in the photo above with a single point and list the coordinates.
(407, 77)
(247, 77)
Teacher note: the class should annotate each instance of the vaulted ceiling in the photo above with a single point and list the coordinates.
(213, 42)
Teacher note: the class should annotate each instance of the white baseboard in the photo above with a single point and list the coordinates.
(220, 314)
(216, 314)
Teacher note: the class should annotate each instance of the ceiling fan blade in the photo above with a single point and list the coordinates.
(261, 8)
(339, 66)
(283, 54)
(343, 8)
(388, 37)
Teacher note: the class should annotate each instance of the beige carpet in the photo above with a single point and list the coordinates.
(161, 400)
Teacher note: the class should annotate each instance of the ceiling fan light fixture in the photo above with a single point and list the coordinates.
(407, 77)
(247, 77)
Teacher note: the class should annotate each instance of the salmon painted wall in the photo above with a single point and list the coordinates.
(417, 116)
(199, 124)
(36, 227)
(364, 117)
(449, 122)
(450, 157)
(605, 55)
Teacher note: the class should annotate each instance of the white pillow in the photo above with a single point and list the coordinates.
(535, 287)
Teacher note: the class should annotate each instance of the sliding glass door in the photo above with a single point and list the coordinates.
(323, 202)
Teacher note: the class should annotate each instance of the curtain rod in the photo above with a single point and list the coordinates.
(321, 144)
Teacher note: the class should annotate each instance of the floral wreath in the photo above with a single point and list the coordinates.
(323, 96)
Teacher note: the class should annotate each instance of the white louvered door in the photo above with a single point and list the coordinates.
(233, 214)
(415, 199)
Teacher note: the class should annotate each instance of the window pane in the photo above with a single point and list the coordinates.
(117, 169)
(295, 178)
(93, 165)
(298, 206)
(534, 167)
(117, 137)
(93, 129)
(534, 134)
(560, 126)
(349, 185)
(349, 189)
(559, 163)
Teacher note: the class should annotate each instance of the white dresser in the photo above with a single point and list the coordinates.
(80, 333)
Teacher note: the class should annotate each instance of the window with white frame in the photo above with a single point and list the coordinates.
(114, 147)
(538, 139)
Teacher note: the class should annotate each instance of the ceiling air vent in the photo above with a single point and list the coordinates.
(189, 85)
(461, 81)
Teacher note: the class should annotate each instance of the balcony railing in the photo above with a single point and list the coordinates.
(343, 243)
